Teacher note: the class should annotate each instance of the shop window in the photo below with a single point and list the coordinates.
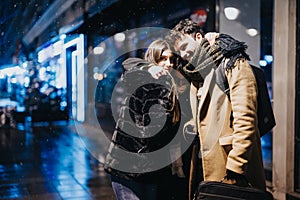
(251, 21)
(56, 85)
(266, 30)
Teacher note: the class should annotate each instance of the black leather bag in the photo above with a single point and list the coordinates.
(212, 190)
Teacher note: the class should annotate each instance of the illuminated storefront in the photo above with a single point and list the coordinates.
(13, 80)
(62, 69)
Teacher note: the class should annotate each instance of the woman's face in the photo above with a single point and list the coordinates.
(166, 60)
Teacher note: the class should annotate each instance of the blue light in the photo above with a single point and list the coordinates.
(268, 58)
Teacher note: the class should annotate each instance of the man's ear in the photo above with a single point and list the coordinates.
(198, 37)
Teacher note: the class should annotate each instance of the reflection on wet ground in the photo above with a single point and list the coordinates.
(54, 162)
(49, 162)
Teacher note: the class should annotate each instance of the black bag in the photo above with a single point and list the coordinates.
(212, 190)
(266, 119)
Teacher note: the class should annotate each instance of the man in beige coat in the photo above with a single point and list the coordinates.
(227, 125)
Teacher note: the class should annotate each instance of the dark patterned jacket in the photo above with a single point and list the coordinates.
(148, 120)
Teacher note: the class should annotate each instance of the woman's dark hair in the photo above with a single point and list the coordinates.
(155, 50)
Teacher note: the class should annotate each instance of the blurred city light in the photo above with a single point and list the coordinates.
(63, 36)
(11, 70)
(268, 58)
(231, 13)
(263, 63)
(252, 32)
(119, 37)
(98, 50)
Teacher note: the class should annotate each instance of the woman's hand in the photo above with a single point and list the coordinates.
(157, 71)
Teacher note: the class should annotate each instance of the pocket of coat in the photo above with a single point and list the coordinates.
(226, 143)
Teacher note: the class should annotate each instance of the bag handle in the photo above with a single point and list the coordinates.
(232, 175)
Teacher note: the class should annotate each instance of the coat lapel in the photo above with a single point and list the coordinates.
(213, 102)
(207, 87)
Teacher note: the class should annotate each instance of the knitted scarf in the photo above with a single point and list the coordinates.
(208, 57)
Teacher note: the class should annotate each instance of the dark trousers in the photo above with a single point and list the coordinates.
(132, 190)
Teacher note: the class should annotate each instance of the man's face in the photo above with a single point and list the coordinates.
(186, 46)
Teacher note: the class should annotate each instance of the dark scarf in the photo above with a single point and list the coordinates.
(208, 57)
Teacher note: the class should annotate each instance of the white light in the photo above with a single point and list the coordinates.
(41, 56)
(119, 37)
(263, 63)
(24, 64)
(231, 13)
(63, 104)
(13, 80)
(60, 61)
(98, 76)
(80, 80)
(42, 73)
(251, 32)
(26, 81)
(57, 48)
(45, 53)
(12, 70)
(268, 58)
(63, 36)
(98, 50)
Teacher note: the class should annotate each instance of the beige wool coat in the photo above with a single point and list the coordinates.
(227, 128)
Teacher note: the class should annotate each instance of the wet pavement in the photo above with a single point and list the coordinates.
(56, 162)
(49, 162)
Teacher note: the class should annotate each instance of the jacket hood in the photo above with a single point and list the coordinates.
(130, 63)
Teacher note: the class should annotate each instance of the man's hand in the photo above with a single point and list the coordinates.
(157, 71)
(211, 37)
(235, 179)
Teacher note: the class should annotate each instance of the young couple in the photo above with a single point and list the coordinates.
(230, 147)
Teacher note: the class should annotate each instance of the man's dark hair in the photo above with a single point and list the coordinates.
(185, 26)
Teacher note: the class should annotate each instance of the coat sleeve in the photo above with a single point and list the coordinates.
(243, 95)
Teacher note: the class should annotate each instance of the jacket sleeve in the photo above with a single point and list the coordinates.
(136, 63)
(243, 95)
